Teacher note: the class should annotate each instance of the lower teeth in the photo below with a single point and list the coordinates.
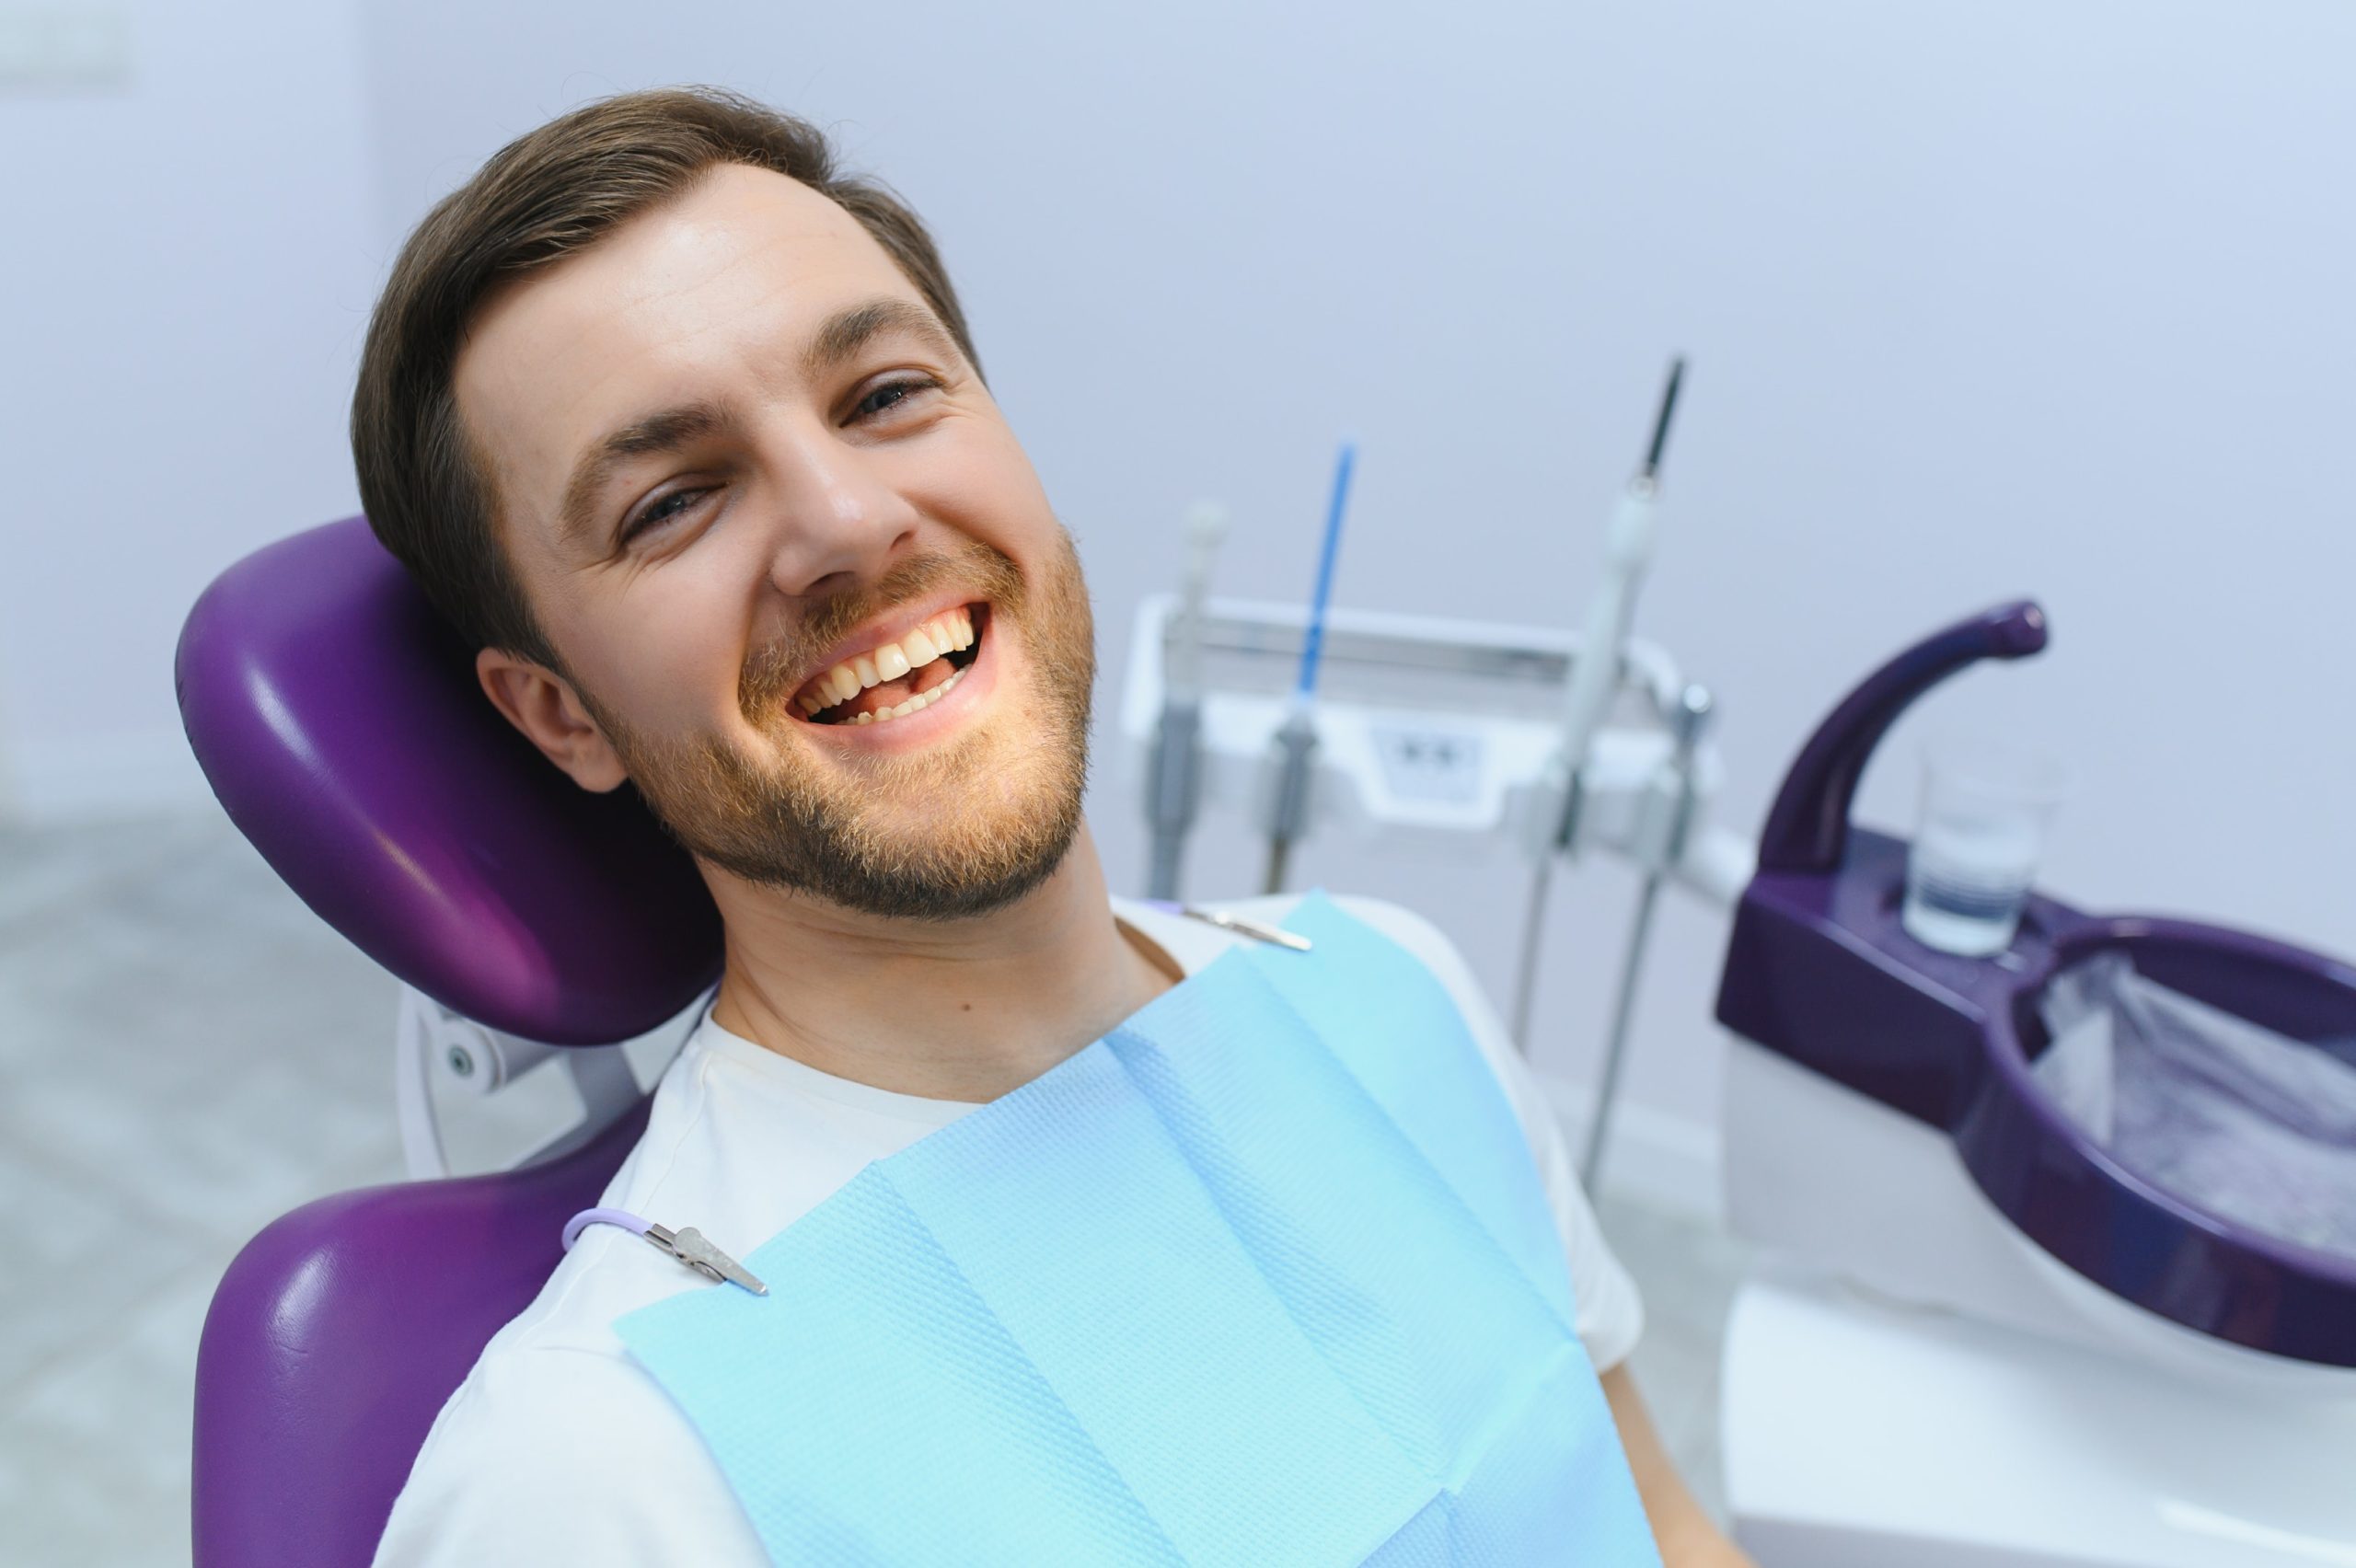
(914, 704)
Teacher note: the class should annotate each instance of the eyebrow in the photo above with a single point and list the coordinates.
(848, 330)
(839, 338)
(664, 431)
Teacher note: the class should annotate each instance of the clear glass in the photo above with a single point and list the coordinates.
(1986, 806)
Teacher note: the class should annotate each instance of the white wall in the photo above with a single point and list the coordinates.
(186, 258)
(2020, 296)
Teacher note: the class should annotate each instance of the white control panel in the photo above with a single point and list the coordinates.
(1428, 726)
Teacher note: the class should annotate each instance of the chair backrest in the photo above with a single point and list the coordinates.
(338, 720)
(339, 1331)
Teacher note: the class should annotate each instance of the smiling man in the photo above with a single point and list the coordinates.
(685, 432)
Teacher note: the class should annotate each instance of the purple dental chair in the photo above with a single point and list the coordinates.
(339, 721)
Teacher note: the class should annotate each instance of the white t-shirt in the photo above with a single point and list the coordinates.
(559, 1448)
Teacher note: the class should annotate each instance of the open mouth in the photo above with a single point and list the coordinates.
(894, 679)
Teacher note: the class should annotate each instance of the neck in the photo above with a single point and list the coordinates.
(960, 1009)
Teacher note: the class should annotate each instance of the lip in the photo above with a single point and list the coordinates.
(928, 723)
(902, 620)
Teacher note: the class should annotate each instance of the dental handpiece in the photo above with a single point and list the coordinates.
(1296, 741)
(1595, 672)
(1174, 784)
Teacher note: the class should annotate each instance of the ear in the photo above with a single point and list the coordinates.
(544, 705)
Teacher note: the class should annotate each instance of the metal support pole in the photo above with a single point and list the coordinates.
(1691, 719)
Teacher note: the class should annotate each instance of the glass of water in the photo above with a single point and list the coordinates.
(1986, 806)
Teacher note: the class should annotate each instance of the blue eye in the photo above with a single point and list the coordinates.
(675, 504)
(891, 395)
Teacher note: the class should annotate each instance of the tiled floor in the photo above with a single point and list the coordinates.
(185, 1053)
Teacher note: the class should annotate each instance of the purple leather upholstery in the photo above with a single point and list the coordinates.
(338, 720)
(339, 1331)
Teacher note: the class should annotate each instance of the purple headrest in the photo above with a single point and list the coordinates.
(338, 720)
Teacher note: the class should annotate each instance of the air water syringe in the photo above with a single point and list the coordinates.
(1594, 682)
(1296, 740)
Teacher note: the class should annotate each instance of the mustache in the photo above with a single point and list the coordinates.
(774, 673)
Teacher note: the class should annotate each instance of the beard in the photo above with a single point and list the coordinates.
(957, 829)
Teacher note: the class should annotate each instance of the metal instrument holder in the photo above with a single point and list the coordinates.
(1447, 730)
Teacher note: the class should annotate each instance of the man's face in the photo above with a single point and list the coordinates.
(801, 577)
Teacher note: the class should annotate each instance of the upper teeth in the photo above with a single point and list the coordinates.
(944, 633)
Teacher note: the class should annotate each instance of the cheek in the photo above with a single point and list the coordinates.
(666, 654)
(988, 488)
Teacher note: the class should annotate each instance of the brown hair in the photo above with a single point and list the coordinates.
(543, 197)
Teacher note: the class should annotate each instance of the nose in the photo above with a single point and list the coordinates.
(840, 521)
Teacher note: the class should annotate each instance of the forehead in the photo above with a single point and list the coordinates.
(712, 292)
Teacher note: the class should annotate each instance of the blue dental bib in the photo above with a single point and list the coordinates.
(1266, 1276)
